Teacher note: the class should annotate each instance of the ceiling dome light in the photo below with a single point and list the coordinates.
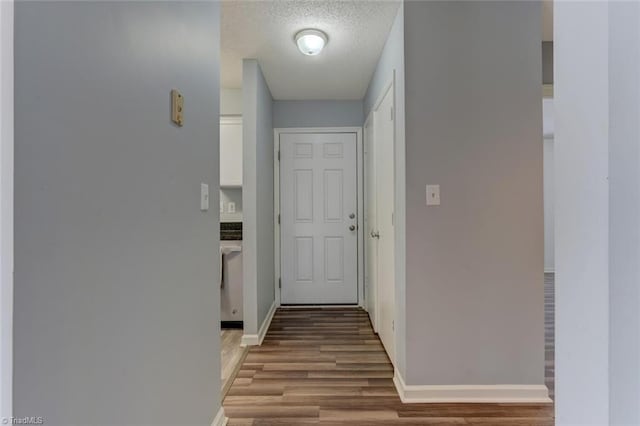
(310, 41)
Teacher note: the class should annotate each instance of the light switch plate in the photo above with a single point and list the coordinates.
(231, 207)
(433, 195)
(204, 197)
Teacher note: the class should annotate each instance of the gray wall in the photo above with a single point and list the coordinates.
(474, 291)
(257, 196)
(317, 114)
(6, 206)
(547, 62)
(392, 63)
(597, 104)
(624, 211)
(582, 213)
(116, 299)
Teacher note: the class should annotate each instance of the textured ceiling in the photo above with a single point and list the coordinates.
(264, 30)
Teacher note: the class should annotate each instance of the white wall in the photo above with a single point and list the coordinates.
(257, 197)
(6, 204)
(317, 114)
(391, 64)
(474, 278)
(116, 293)
(231, 104)
(231, 195)
(230, 101)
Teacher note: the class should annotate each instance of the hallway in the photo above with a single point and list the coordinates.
(327, 366)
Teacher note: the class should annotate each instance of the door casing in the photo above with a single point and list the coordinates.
(360, 191)
(370, 221)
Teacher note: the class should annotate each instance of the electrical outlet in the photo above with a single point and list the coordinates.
(231, 207)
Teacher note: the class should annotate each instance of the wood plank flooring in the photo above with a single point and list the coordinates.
(232, 356)
(328, 367)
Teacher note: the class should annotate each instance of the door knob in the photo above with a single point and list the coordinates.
(352, 228)
(375, 234)
(352, 216)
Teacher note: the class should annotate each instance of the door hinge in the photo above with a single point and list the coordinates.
(278, 218)
(393, 325)
(391, 110)
(279, 282)
(278, 155)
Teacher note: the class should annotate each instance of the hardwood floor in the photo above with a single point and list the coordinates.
(232, 356)
(326, 366)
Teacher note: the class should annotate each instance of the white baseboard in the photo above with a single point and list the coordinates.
(470, 393)
(256, 339)
(249, 340)
(549, 270)
(220, 419)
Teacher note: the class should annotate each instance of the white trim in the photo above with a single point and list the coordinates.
(549, 270)
(6, 205)
(470, 393)
(231, 119)
(382, 94)
(256, 339)
(276, 213)
(220, 419)
(374, 318)
(276, 199)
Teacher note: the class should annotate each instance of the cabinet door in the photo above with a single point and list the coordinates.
(230, 152)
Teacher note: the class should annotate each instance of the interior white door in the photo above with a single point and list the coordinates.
(370, 223)
(384, 149)
(318, 214)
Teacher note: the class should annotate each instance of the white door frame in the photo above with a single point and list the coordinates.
(276, 199)
(373, 290)
(6, 204)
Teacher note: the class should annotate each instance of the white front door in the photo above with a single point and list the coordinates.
(318, 209)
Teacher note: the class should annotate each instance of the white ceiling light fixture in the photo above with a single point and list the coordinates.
(311, 41)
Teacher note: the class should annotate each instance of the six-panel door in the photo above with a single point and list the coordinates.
(318, 207)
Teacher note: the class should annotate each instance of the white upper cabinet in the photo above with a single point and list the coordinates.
(231, 152)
